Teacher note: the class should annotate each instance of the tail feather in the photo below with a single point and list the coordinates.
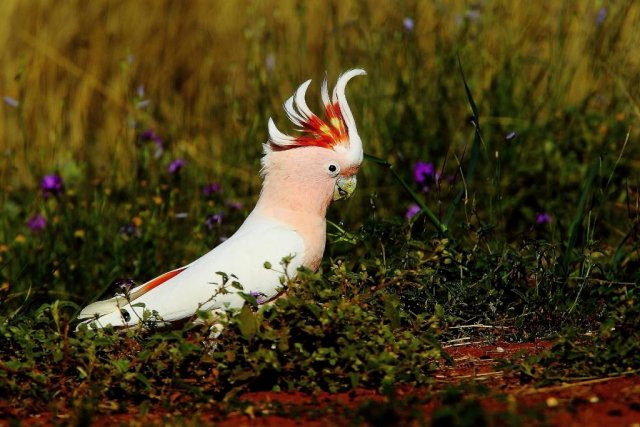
(111, 306)
(102, 308)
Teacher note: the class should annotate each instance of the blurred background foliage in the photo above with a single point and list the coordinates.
(88, 87)
(214, 71)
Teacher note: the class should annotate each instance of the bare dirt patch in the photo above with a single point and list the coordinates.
(596, 402)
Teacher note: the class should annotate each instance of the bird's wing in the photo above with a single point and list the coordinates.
(178, 294)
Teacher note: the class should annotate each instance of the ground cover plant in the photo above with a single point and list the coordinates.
(497, 205)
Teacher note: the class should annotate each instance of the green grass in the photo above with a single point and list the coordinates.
(389, 289)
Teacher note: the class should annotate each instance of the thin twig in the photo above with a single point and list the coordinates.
(479, 326)
(464, 343)
(528, 390)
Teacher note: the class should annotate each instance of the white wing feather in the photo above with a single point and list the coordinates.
(242, 255)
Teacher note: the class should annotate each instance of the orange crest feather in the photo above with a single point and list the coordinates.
(338, 129)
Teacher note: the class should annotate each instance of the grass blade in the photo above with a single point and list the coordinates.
(578, 219)
(475, 150)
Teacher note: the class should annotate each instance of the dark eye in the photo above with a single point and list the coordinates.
(333, 169)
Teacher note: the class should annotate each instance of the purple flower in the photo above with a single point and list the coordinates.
(412, 211)
(602, 15)
(37, 223)
(11, 102)
(236, 206)
(149, 135)
(124, 285)
(213, 220)
(408, 24)
(543, 218)
(129, 230)
(510, 136)
(51, 185)
(211, 189)
(259, 296)
(176, 165)
(425, 173)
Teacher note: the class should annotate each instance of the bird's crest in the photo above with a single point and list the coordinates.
(339, 129)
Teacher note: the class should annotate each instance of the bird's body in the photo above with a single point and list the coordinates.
(302, 175)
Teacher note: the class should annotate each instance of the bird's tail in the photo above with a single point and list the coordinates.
(99, 309)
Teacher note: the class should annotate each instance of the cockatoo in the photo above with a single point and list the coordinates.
(301, 176)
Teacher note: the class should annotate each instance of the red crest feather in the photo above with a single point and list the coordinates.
(338, 129)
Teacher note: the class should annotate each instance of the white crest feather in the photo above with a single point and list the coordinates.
(301, 103)
(277, 137)
(340, 98)
(324, 92)
(292, 113)
(301, 116)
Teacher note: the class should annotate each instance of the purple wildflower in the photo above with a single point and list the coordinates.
(213, 220)
(425, 173)
(259, 296)
(37, 223)
(211, 189)
(51, 185)
(408, 24)
(602, 15)
(412, 211)
(129, 230)
(510, 136)
(149, 135)
(176, 165)
(236, 206)
(124, 285)
(11, 102)
(543, 218)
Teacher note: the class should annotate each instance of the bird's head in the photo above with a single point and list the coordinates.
(327, 154)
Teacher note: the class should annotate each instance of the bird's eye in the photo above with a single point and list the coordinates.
(333, 169)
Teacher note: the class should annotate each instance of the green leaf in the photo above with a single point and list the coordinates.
(391, 311)
(122, 365)
(248, 324)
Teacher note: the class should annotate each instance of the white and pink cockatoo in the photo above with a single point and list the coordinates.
(301, 176)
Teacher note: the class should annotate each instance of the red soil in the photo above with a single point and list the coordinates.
(599, 402)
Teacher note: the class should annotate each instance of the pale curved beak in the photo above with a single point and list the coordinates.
(345, 187)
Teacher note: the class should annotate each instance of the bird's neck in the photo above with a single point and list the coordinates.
(302, 207)
(288, 199)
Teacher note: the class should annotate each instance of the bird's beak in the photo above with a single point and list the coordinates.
(344, 187)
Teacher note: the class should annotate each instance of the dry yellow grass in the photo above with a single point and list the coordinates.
(214, 70)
